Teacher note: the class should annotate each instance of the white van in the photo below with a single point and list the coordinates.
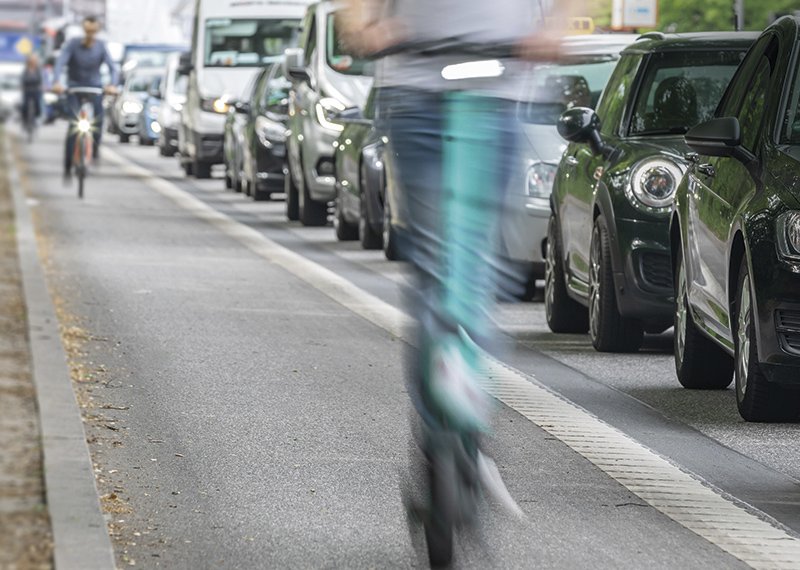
(231, 41)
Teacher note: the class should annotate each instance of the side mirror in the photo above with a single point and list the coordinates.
(719, 137)
(185, 65)
(294, 66)
(242, 107)
(582, 125)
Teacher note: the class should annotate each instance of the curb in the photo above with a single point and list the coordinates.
(80, 536)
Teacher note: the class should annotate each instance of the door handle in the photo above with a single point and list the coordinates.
(571, 161)
(706, 169)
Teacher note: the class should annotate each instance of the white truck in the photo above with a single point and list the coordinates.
(231, 41)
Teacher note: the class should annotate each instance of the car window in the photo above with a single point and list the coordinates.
(339, 58)
(615, 95)
(552, 89)
(277, 94)
(681, 89)
(791, 130)
(247, 43)
(751, 114)
(311, 43)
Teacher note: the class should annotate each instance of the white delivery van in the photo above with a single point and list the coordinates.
(231, 41)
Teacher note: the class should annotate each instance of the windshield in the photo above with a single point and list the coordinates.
(146, 58)
(140, 83)
(247, 43)
(552, 89)
(682, 89)
(341, 59)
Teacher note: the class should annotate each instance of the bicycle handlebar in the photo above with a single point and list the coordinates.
(85, 90)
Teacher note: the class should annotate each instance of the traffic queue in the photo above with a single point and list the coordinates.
(658, 184)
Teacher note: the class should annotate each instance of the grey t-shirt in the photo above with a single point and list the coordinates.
(479, 21)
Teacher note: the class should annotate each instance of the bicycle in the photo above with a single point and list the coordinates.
(29, 118)
(82, 126)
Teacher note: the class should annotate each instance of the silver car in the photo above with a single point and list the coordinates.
(326, 79)
(551, 89)
(173, 96)
(129, 105)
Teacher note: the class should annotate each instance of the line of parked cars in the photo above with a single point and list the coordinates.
(658, 183)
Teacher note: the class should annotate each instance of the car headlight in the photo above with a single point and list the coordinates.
(155, 127)
(269, 132)
(654, 181)
(788, 228)
(325, 108)
(219, 105)
(539, 180)
(132, 107)
(177, 107)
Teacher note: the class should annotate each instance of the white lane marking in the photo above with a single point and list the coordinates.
(752, 537)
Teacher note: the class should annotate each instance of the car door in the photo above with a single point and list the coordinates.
(248, 134)
(719, 186)
(581, 171)
(302, 95)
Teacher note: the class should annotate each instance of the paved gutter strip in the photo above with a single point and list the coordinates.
(740, 530)
(81, 540)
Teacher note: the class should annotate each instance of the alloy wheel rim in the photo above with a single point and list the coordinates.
(743, 341)
(681, 314)
(594, 286)
(549, 275)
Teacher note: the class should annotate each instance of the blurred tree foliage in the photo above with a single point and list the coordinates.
(694, 16)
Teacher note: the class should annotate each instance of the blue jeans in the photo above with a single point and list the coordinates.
(74, 102)
(450, 156)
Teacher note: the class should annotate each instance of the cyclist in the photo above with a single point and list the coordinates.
(449, 112)
(83, 59)
(32, 81)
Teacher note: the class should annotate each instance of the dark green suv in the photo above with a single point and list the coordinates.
(608, 259)
(736, 237)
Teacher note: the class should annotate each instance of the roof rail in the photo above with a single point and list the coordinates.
(651, 36)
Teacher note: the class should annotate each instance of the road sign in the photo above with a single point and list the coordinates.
(627, 14)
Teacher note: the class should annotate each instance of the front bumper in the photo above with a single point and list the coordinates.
(524, 229)
(208, 147)
(643, 270)
(777, 299)
(270, 167)
(318, 162)
(128, 123)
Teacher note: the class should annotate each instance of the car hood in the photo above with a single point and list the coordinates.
(542, 143)
(352, 90)
(640, 148)
(787, 172)
(225, 81)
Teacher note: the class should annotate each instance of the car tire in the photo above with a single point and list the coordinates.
(228, 179)
(369, 238)
(124, 139)
(564, 314)
(165, 152)
(310, 213)
(389, 235)
(609, 331)
(758, 399)
(259, 195)
(188, 168)
(699, 362)
(345, 231)
(202, 170)
(292, 197)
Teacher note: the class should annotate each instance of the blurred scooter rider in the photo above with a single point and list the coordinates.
(83, 59)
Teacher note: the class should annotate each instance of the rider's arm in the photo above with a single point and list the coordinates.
(62, 61)
(366, 27)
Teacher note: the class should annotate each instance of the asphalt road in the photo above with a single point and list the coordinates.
(240, 418)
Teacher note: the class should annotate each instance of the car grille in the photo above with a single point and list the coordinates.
(656, 270)
(787, 324)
